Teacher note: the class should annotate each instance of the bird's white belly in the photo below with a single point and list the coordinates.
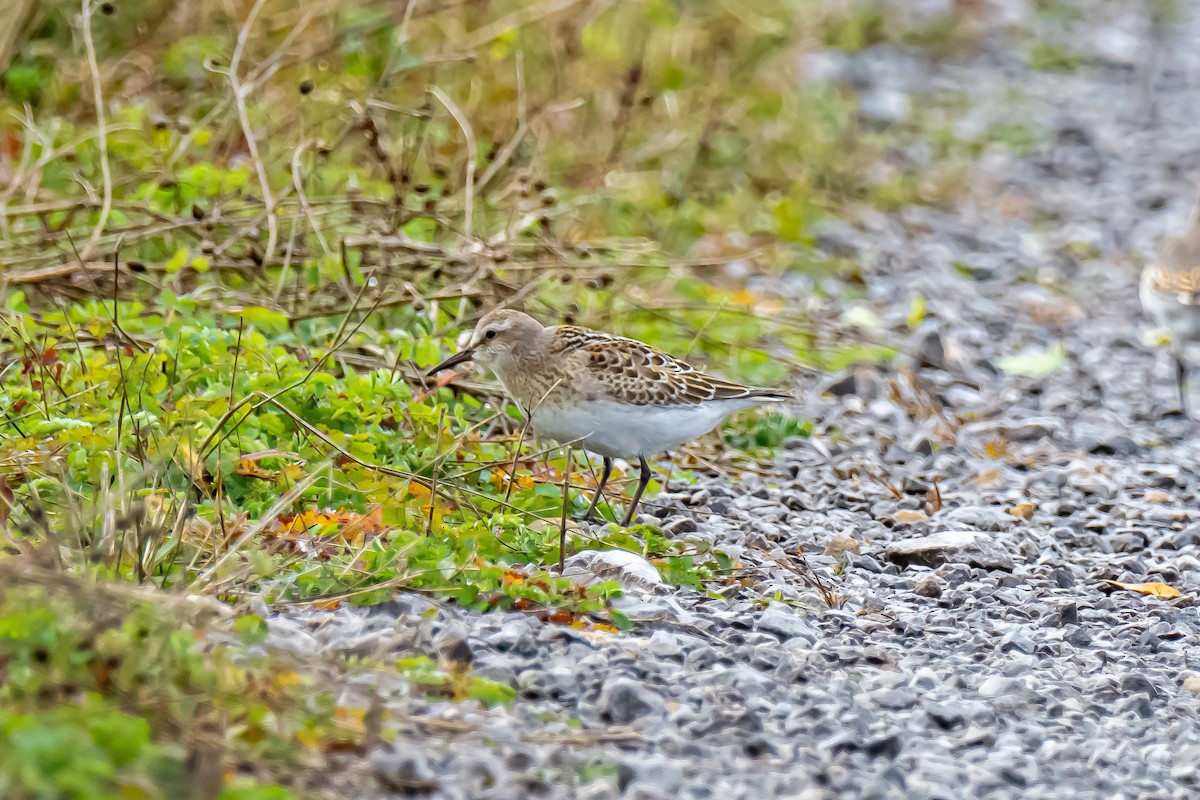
(618, 430)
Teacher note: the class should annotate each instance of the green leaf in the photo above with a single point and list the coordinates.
(265, 319)
(177, 261)
(916, 312)
(1035, 363)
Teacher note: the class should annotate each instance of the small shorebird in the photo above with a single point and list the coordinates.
(1170, 293)
(615, 397)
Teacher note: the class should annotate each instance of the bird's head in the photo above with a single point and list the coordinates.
(497, 338)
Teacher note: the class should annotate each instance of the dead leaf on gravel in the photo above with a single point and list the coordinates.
(989, 478)
(908, 515)
(1157, 496)
(840, 543)
(1160, 590)
(1023, 510)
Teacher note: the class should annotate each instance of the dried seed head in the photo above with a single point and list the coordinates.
(306, 86)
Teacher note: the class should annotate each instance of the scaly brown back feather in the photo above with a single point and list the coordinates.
(633, 372)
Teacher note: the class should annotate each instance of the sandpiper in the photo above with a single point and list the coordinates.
(1170, 293)
(613, 396)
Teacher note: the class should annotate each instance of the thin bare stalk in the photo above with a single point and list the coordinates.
(239, 100)
(102, 132)
(469, 134)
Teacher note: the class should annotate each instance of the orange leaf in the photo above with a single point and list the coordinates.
(743, 297)
(251, 469)
(1160, 590)
(445, 378)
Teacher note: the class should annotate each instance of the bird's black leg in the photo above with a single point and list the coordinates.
(637, 496)
(1181, 381)
(590, 516)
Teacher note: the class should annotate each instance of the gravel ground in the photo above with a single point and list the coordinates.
(979, 651)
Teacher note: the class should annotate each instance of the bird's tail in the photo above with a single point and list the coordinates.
(768, 395)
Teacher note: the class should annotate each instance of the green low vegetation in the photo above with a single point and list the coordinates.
(232, 236)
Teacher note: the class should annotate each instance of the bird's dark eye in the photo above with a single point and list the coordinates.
(490, 335)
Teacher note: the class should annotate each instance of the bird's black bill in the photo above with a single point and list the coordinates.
(452, 361)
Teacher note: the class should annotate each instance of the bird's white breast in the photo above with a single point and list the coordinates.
(619, 430)
(1182, 321)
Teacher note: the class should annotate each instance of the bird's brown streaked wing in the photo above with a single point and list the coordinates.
(1182, 284)
(636, 373)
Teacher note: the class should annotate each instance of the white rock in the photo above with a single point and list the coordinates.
(964, 547)
(634, 573)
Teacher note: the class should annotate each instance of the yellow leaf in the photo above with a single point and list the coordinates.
(743, 297)
(286, 679)
(193, 463)
(1160, 590)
